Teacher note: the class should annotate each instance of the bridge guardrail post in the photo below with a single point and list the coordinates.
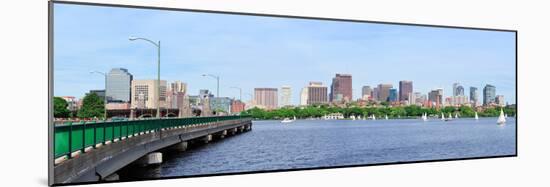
(70, 140)
(83, 137)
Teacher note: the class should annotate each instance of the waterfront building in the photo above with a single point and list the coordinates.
(317, 93)
(474, 96)
(405, 91)
(489, 94)
(375, 93)
(499, 100)
(384, 92)
(118, 85)
(286, 96)
(393, 95)
(341, 88)
(237, 106)
(266, 98)
(436, 97)
(145, 94)
(304, 96)
(366, 92)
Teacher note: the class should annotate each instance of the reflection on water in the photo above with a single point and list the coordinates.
(272, 145)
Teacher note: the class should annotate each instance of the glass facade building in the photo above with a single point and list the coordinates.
(489, 94)
(119, 83)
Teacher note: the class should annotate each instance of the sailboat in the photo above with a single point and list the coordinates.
(287, 120)
(425, 117)
(501, 119)
(443, 117)
(456, 115)
(476, 117)
(373, 117)
(386, 117)
(450, 117)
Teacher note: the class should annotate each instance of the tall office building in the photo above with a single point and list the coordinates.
(459, 91)
(499, 100)
(474, 96)
(489, 94)
(118, 85)
(286, 96)
(393, 95)
(366, 92)
(303, 96)
(405, 90)
(145, 94)
(375, 93)
(341, 88)
(455, 85)
(317, 93)
(266, 97)
(436, 97)
(384, 92)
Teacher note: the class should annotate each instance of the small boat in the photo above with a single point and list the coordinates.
(287, 120)
(456, 115)
(373, 117)
(476, 117)
(352, 117)
(443, 117)
(386, 117)
(425, 117)
(501, 119)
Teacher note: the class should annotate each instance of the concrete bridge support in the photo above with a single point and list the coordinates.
(150, 159)
(181, 147)
(207, 138)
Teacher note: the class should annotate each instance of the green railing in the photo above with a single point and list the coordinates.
(74, 136)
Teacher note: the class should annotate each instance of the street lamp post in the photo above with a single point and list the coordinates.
(105, 97)
(158, 68)
(240, 92)
(218, 83)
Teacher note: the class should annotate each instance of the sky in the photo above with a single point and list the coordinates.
(253, 51)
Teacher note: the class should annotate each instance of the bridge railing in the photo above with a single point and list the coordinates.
(74, 136)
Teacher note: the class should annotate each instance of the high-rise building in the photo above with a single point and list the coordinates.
(499, 100)
(489, 94)
(459, 91)
(118, 85)
(303, 96)
(436, 97)
(419, 98)
(393, 95)
(145, 94)
(178, 86)
(366, 92)
(384, 92)
(455, 85)
(341, 88)
(375, 93)
(317, 93)
(474, 96)
(405, 90)
(266, 98)
(286, 96)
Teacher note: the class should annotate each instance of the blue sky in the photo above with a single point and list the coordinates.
(252, 51)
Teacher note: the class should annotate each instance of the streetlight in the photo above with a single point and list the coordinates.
(240, 92)
(218, 82)
(132, 38)
(105, 97)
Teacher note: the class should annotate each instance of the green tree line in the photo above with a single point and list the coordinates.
(391, 112)
(92, 106)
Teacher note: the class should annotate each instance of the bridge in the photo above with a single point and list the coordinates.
(95, 151)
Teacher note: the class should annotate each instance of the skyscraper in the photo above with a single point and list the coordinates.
(341, 88)
(375, 93)
(317, 93)
(405, 90)
(393, 95)
(303, 96)
(436, 97)
(118, 85)
(146, 92)
(266, 97)
(474, 96)
(455, 85)
(286, 96)
(489, 94)
(384, 92)
(366, 92)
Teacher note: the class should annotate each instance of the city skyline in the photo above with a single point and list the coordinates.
(295, 52)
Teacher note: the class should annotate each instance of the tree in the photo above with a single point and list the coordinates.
(92, 106)
(60, 108)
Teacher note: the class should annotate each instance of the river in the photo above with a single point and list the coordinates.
(272, 145)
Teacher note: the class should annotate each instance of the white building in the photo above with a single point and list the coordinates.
(286, 96)
(303, 96)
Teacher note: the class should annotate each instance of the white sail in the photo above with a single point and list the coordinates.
(294, 117)
(450, 116)
(425, 117)
(442, 116)
(501, 119)
(476, 117)
(386, 117)
(456, 115)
